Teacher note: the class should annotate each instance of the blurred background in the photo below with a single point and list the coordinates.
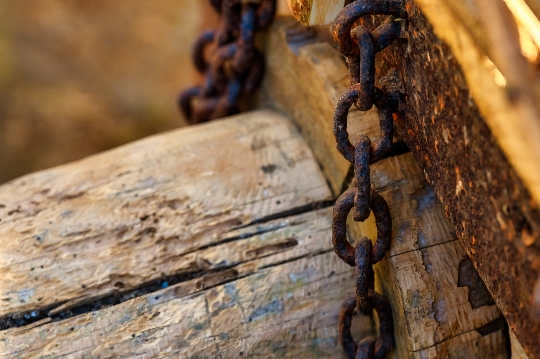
(82, 76)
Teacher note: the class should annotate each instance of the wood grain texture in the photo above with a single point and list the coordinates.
(285, 304)
(131, 215)
(305, 79)
(434, 313)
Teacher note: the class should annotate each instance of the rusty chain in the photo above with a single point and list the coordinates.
(359, 47)
(234, 67)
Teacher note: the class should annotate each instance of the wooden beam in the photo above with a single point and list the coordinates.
(138, 213)
(268, 300)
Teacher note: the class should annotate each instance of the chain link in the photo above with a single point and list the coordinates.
(235, 67)
(359, 47)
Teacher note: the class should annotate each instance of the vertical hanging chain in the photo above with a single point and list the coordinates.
(234, 70)
(359, 47)
(235, 67)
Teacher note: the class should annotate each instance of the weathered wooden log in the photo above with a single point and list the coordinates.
(105, 249)
(113, 221)
(440, 308)
(184, 211)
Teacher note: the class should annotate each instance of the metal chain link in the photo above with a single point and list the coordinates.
(235, 67)
(359, 47)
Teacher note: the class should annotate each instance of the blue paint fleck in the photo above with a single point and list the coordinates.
(274, 306)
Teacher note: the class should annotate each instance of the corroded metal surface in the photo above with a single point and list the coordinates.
(494, 216)
(368, 347)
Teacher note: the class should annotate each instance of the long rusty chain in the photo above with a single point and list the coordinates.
(235, 67)
(359, 46)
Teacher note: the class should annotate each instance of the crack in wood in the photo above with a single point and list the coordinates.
(489, 328)
(86, 305)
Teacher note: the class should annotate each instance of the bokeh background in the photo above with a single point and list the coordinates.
(82, 76)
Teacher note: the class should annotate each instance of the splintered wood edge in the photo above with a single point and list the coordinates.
(517, 349)
(315, 12)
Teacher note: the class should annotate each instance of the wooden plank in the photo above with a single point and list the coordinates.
(277, 301)
(433, 313)
(139, 213)
(281, 311)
